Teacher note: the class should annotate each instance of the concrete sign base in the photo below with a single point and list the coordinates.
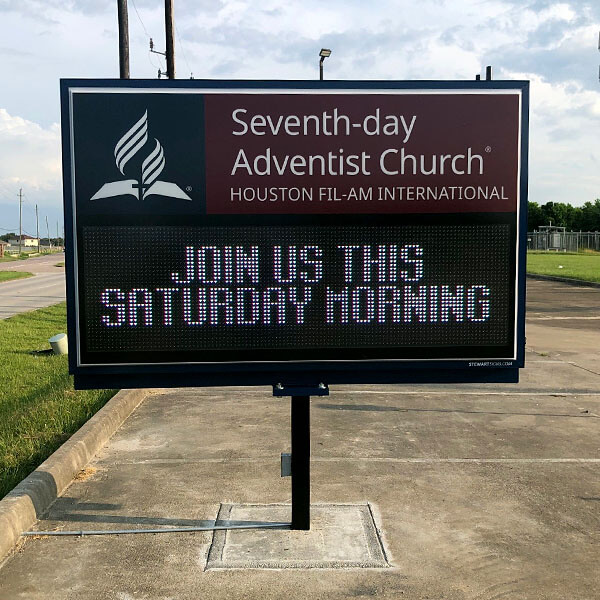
(341, 536)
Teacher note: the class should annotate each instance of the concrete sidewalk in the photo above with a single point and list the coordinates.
(478, 492)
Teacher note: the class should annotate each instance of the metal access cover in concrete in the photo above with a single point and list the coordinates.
(341, 536)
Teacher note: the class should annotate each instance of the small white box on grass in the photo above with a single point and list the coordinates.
(59, 343)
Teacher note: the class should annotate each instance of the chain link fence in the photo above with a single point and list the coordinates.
(564, 241)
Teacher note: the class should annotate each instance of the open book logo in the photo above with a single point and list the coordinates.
(152, 166)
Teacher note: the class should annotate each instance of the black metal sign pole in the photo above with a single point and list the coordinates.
(300, 425)
(301, 462)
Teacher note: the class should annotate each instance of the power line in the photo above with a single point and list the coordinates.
(154, 65)
(28, 205)
(152, 62)
(26, 199)
(140, 19)
(183, 52)
(7, 193)
(169, 52)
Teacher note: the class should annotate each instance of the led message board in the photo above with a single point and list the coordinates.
(251, 232)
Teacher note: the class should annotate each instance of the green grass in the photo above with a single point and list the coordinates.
(13, 257)
(8, 275)
(60, 264)
(574, 266)
(39, 409)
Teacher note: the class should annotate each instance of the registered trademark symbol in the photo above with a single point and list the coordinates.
(488, 149)
(188, 188)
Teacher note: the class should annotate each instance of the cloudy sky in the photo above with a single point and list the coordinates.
(553, 44)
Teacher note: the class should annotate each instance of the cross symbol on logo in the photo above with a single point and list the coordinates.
(141, 189)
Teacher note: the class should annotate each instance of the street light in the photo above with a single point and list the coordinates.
(325, 52)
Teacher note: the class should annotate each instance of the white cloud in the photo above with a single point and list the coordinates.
(564, 125)
(30, 153)
(31, 162)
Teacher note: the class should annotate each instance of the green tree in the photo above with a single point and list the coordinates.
(561, 214)
(535, 216)
(556, 213)
(590, 216)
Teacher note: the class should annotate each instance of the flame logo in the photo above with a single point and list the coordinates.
(131, 142)
(152, 166)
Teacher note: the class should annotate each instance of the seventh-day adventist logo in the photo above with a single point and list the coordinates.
(152, 166)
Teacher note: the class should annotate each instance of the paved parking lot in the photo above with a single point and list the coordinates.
(563, 321)
(479, 492)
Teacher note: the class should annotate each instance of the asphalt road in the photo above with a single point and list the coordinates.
(46, 287)
(37, 265)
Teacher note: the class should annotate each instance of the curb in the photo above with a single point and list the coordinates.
(31, 498)
(567, 280)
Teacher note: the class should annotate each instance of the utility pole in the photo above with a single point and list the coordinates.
(20, 218)
(48, 234)
(123, 39)
(170, 40)
(37, 228)
(57, 236)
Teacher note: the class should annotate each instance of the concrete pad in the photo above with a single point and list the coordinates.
(341, 536)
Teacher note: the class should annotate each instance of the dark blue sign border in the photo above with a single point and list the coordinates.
(301, 373)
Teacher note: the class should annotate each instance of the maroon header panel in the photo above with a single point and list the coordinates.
(361, 153)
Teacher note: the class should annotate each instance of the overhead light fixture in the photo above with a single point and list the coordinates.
(325, 52)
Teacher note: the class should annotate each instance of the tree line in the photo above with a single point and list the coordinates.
(574, 218)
